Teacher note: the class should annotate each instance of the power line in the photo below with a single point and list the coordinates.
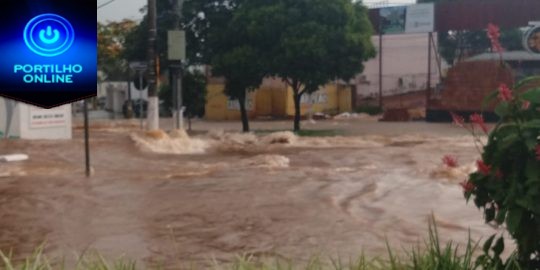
(105, 4)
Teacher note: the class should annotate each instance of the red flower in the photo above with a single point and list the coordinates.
(450, 161)
(526, 104)
(479, 120)
(457, 119)
(493, 33)
(538, 152)
(505, 94)
(467, 186)
(483, 168)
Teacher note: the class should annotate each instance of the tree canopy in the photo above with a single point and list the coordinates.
(111, 46)
(218, 38)
(307, 43)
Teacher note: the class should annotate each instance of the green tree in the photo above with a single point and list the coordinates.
(111, 45)
(242, 70)
(219, 38)
(308, 43)
(137, 38)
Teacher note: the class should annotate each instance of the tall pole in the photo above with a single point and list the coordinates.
(86, 139)
(428, 90)
(153, 101)
(176, 68)
(380, 70)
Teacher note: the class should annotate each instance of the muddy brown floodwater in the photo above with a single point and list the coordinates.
(170, 198)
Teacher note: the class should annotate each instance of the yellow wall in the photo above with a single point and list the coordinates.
(345, 99)
(276, 100)
(217, 104)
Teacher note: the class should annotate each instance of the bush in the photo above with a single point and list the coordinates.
(506, 185)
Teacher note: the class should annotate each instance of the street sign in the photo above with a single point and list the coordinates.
(138, 66)
(420, 18)
(140, 82)
(176, 44)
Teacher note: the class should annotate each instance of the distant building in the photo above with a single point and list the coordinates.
(274, 100)
(404, 68)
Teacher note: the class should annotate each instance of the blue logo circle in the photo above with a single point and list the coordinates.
(49, 35)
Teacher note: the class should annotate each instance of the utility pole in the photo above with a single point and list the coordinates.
(381, 105)
(428, 82)
(176, 55)
(153, 100)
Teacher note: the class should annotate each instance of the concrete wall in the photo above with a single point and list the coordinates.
(117, 94)
(405, 60)
(30, 122)
(275, 99)
(219, 107)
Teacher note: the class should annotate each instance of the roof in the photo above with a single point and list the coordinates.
(507, 56)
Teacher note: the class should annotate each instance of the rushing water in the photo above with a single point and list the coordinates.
(170, 198)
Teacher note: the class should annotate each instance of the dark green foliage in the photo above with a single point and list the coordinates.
(137, 39)
(193, 95)
(222, 41)
(510, 193)
(111, 46)
(308, 43)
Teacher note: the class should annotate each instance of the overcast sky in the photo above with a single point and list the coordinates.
(122, 9)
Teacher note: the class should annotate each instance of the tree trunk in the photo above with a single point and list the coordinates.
(243, 111)
(297, 109)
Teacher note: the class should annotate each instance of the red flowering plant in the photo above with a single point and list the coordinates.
(506, 185)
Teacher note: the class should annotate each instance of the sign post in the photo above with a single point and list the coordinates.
(140, 68)
(86, 139)
(176, 54)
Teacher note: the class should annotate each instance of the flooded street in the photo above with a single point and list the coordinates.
(170, 198)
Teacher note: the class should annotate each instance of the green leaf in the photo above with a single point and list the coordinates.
(531, 143)
(507, 142)
(532, 171)
(532, 95)
(526, 81)
(488, 243)
(514, 219)
(501, 215)
(489, 99)
(503, 109)
(499, 247)
(532, 124)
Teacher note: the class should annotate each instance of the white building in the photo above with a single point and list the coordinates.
(19, 120)
(404, 66)
(116, 94)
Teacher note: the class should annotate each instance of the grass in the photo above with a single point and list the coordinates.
(432, 255)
